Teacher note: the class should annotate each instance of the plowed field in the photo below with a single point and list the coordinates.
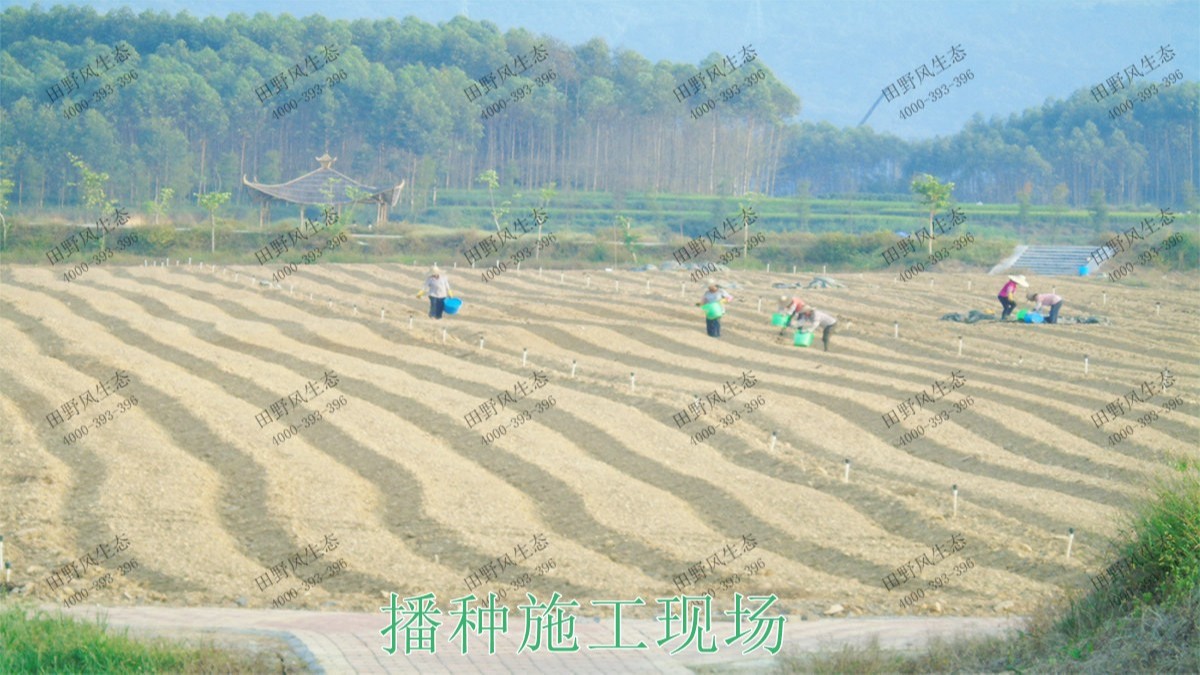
(624, 501)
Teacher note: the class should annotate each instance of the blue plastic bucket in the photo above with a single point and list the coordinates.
(452, 305)
(1083, 270)
(1034, 317)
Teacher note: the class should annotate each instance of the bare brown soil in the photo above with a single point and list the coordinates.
(417, 501)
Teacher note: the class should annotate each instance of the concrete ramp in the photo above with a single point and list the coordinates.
(1048, 260)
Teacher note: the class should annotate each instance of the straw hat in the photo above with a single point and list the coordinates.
(1020, 279)
(434, 271)
(713, 283)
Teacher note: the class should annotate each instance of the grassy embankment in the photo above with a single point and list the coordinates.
(1146, 619)
(842, 233)
(36, 641)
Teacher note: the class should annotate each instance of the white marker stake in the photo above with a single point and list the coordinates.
(968, 285)
(293, 290)
(632, 382)
(518, 267)
(960, 345)
(846, 478)
(560, 277)
(682, 288)
(1085, 364)
(410, 320)
(1020, 360)
(931, 282)
(572, 367)
(1054, 289)
(1157, 308)
(444, 337)
(539, 271)
(480, 339)
(356, 310)
(189, 262)
(524, 355)
(589, 281)
(1070, 540)
(768, 268)
(1105, 298)
(455, 264)
(617, 287)
(955, 489)
(822, 269)
(310, 296)
(760, 305)
(793, 269)
(647, 284)
(472, 264)
(774, 437)
(896, 330)
(381, 315)
(145, 265)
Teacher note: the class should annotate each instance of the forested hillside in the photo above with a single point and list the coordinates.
(202, 113)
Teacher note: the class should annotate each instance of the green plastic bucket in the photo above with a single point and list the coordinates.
(778, 319)
(713, 310)
(803, 338)
(1021, 314)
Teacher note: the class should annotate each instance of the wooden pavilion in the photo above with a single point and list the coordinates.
(325, 185)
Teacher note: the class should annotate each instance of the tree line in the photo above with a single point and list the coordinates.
(194, 121)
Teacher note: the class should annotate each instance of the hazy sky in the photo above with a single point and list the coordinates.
(837, 55)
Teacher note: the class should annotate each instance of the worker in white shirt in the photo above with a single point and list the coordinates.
(812, 319)
(437, 285)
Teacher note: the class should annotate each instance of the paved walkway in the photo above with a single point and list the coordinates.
(347, 642)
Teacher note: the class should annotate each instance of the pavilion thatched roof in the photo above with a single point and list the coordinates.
(325, 185)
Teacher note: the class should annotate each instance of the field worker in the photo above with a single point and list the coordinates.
(1008, 294)
(1054, 302)
(811, 320)
(437, 285)
(790, 306)
(715, 294)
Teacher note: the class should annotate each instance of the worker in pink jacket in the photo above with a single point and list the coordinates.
(792, 307)
(1051, 300)
(1008, 294)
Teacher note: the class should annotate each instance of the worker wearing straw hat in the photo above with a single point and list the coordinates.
(792, 307)
(437, 285)
(1008, 294)
(715, 294)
